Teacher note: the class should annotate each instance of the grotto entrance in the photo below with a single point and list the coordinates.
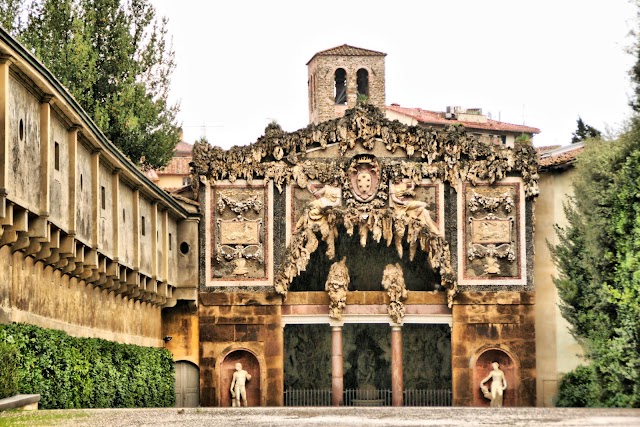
(363, 360)
(366, 266)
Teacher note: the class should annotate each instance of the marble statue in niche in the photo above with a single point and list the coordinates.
(498, 385)
(402, 193)
(238, 386)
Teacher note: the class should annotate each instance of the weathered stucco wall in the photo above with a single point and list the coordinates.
(557, 350)
(84, 195)
(145, 237)
(105, 209)
(181, 323)
(174, 251)
(59, 183)
(33, 293)
(126, 228)
(24, 135)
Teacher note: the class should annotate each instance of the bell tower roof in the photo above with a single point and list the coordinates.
(347, 50)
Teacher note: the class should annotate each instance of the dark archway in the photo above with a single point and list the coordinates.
(366, 266)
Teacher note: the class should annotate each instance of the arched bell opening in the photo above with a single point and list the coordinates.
(366, 266)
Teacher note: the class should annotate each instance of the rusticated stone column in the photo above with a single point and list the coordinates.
(337, 374)
(396, 366)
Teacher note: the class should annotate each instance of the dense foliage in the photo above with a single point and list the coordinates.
(115, 59)
(598, 256)
(73, 372)
(584, 132)
(8, 370)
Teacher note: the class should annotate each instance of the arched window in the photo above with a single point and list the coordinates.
(362, 78)
(341, 86)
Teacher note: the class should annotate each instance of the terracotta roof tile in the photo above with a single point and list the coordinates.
(438, 118)
(183, 149)
(177, 166)
(561, 156)
(346, 50)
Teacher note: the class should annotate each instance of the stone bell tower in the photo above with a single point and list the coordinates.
(341, 76)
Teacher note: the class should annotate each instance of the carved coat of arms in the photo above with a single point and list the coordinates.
(364, 177)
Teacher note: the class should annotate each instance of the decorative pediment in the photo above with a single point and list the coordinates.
(450, 155)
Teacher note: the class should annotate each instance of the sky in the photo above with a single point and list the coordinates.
(242, 64)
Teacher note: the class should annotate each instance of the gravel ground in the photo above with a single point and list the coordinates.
(262, 417)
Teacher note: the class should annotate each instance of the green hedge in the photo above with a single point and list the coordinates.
(579, 389)
(73, 372)
(9, 373)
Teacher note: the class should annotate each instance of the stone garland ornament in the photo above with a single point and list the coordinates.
(393, 283)
(337, 286)
(239, 206)
(478, 201)
(450, 155)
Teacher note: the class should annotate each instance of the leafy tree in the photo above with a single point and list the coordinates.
(584, 132)
(116, 59)
(598, 257)
(10, 14)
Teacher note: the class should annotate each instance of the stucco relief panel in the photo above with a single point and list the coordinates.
(491, 227)
(239, 224)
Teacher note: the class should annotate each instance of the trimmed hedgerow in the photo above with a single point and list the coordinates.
(73, 372)
(8, 370)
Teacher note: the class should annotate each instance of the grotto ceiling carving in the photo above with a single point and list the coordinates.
(355, 187)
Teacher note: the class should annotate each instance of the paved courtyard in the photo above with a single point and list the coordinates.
(262, 417)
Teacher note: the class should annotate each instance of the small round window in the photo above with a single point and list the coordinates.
(184, 248)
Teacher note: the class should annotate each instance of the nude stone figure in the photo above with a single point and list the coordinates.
(326, 196)
(498, 385)
(403, 195)
(238, 390)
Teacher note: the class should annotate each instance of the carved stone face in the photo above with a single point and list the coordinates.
(364, 182)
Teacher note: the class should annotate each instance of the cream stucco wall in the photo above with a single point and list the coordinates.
(71, 252)
(557, 352)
